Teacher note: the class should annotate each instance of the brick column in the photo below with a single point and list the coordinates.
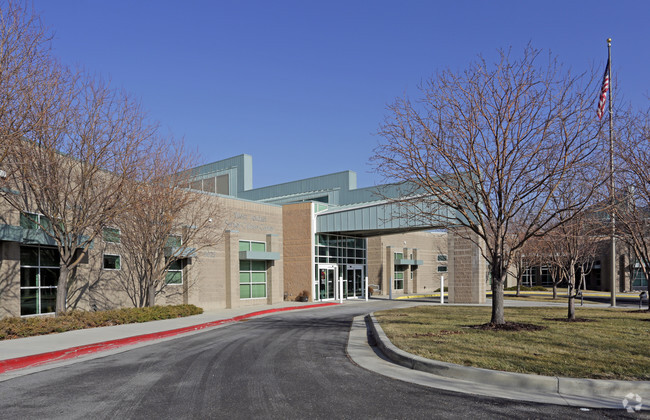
(389, 264)
(467, 268)
(231, 243)
(274, 277)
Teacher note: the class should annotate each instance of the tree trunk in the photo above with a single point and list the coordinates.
(572, 307)
(62, 289)
(498, 279)
(554, 290)
(572, 282)
(151, 294)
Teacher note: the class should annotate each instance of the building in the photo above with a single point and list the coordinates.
(320, 236)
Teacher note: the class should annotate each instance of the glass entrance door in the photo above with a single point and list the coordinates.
(355, 287)
(326, 282)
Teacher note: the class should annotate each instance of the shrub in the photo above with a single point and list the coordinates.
(75, 320)
(528, 289)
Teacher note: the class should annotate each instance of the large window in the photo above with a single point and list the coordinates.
(252, 279)
(341, 250)
(39, 274)
(252, 273)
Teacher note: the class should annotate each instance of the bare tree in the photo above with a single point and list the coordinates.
(524, 258)
(24, 66)
(632, 208)
(165, 225)
(70, 169)
(492, 144)
(570, 247)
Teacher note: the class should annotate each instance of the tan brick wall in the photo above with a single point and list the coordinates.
(467, 268)
(298, 259)
(424, 246)
(204, 279)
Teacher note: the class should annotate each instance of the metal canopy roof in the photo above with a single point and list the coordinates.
(380, 218)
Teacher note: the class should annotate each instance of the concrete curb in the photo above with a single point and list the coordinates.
(73, 352)
(519, 381)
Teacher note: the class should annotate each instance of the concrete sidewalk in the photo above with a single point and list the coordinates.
(39, 350)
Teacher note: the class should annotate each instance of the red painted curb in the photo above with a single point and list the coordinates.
(55, 356)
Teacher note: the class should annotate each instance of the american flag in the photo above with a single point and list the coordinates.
(603, 92)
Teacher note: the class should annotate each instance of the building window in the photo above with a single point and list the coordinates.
(252, 279)
(442, 269)
(39, 275)
(528, 277)
(33, 221)
(442, 257)
(174, 241)
(174, 274)
(111, 235)
(111, 262)
(252, 246)
(545, 275)
(341, 250)
(399, 256)
(638, 276)
(399, 280)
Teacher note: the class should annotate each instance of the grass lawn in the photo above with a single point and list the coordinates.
(614, 344)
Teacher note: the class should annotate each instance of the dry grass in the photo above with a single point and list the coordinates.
(561, 298)
(614, 345)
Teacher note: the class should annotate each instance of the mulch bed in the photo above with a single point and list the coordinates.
(508, 326)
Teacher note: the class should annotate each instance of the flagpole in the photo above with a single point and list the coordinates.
(611, 176)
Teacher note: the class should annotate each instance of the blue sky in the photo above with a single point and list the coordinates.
(302, 86)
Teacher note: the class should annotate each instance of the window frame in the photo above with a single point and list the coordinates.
(169, 270)
(250, 245)
(38, 288)
(250, 271)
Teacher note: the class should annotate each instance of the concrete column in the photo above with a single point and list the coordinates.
(467, 268)
(407, 273)
(389, 270)
(274, 277)
(231, 243)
